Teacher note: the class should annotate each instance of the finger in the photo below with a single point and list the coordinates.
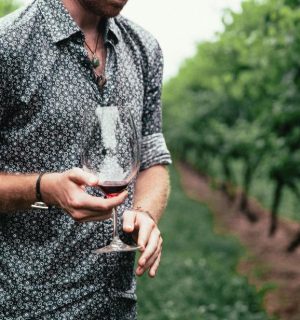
(129, 220)
(150, 260)
(86, 215)
(145, 229)
(154, 268)
(142, 269)
(82, 200)
(95, 218)
(153, 258)
(153, 244)
(80, 177)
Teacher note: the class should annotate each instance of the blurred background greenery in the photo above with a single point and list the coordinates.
(233, 109)
(197, 279)
(232, 112)
(7, 6)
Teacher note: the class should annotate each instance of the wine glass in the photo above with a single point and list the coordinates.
(111, 151)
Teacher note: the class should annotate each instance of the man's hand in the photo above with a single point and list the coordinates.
(67, 190)
(147, 235)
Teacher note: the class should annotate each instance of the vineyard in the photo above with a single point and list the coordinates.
(232, 114)
(197, 279)
(233, 109)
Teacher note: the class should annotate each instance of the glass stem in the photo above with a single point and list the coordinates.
(115, 224)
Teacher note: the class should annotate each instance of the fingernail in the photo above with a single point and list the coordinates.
(138, 270)
(142, 262)
(152, 274)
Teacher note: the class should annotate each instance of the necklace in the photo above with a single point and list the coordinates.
(95, 60)
(100, 78)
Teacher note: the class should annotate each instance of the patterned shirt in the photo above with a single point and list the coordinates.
(47, 268)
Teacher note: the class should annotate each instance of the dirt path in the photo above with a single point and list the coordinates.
(267, 261)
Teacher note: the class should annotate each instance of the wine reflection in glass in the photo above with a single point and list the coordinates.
(111, 151)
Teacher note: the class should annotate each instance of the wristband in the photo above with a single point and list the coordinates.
(39, 204)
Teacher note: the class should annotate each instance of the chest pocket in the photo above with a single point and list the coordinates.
(34, 70)
(23, 76)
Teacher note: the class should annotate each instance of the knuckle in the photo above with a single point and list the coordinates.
(127, 214)
(74, 202)
(64, 176)
(70, 173)
(105, 207)
(141, 242)
(159, 249)
(152, 224)
(118, 201)
(77, 216)
(75, 171)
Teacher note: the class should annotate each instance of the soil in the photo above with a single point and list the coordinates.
(267, 264)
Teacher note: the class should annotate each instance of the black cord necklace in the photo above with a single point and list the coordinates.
(95, 60)
(100, 78)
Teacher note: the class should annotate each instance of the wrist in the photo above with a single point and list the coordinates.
(47, 188)
(142, 210)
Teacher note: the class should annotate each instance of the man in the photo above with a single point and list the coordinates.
(57, 58)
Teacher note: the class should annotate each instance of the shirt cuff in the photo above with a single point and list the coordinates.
(154, 151)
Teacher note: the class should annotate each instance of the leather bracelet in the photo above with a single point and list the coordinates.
(38, 193)
(39, 204)
(140, 209)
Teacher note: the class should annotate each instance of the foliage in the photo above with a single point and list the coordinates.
(197, 277)
(238, 99)
(7, 6)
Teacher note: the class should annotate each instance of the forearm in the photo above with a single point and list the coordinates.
(17, 191)
(152, 191)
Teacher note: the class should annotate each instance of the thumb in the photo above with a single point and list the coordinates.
(82, 177)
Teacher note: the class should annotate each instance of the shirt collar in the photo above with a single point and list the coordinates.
(62, 26)
(112, 29)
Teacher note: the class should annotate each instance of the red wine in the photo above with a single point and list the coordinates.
(113, 188)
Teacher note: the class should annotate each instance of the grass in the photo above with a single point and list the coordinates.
(197, 278)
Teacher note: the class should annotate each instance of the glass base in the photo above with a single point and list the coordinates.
(117, 245)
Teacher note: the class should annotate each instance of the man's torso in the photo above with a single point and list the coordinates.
(46, 84)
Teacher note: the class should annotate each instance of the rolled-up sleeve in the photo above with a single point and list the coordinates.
(154, 150)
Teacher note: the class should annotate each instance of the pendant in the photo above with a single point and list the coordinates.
(101, 79)
(95, 62)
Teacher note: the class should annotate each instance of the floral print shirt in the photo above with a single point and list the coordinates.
(47, 268)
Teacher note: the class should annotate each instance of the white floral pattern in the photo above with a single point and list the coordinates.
(47, 270)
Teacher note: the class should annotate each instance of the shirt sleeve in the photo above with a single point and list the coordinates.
(2, 85)
(154, 150)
